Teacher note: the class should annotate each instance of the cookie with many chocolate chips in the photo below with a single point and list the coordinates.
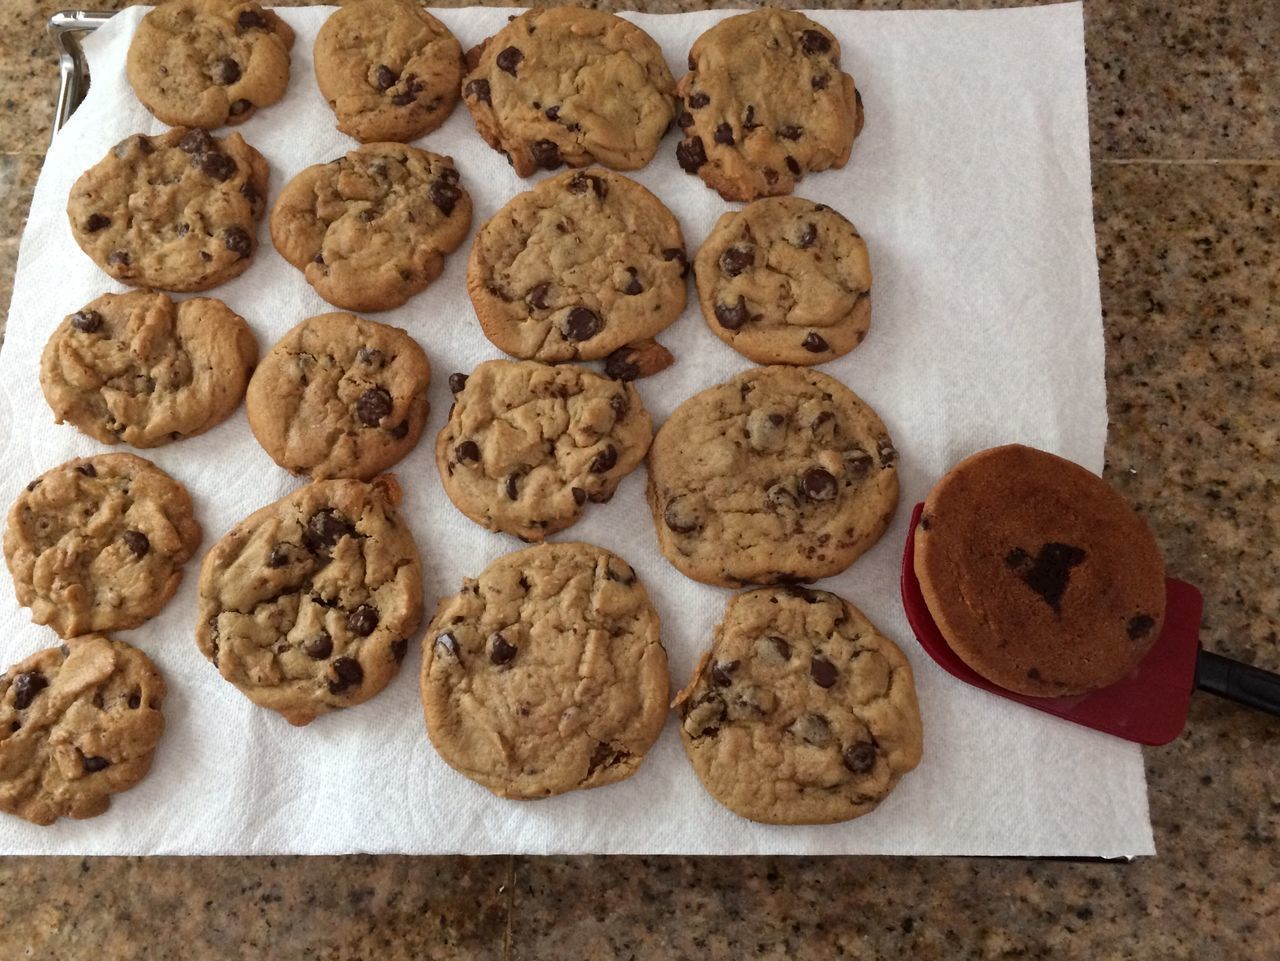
(78, 723)
(764, 102)
(309, 604)
(785, 281)
(569, 85)
(546, 673)
(339, 396)
(144, 370)
(98, 543)
(584, 263)
(371, 229)
(389, 69)
(178, 211)
(801, 712)
(1038, 574)
(527, 445)
(781, 474)
(205, 63)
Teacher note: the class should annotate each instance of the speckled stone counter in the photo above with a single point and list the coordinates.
(1184, 102)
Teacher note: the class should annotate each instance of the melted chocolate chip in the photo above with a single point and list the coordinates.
(814, 343)
(196, 141)
(691, 155)
(818, 484)
(579, 495)
(92, 765)
(509, 60)
(373, 405)
(781, 646)
(226, 72)
(811, 42)
(250, 20)
(582, 181)
(501, 651)
(137, 542)
(732, 317)
(859, 758)
(445, 196)
(86, 321)
(546, 154)
(791, 132)
(25, 688)
(216, 165)
(537, 296)
(96, 222)
(237, 241)
(457, 382)
(384, 77)
(478, 90)
(857, 462)
(888, 453)
(371, 356)
(582, 324)
(1048, 573)
(678, 255)
(349, 674)
(604, 461)
(678, 521)
(724, 135)
(319, 647)
(736, 259)
(808, 237)
(634, 286)
(363, 620)
(468, 450)
(1140, 626)
(278, 557)
(325, 528)
(822, 671)
(698, 100)
(621, 365)
(684, 120)
(88, 470)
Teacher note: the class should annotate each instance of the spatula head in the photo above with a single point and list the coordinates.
(1149, 705)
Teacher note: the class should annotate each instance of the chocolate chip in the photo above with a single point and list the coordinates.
(546, 154)
(724, 135)
(120, 258)
(579, 495)
(820, 81)
(216, 165)
(196, 141)
(888, 454)
(349, 673)
(809, 237)
(468, 450)
(34, 484)
(319, 647)
(399, 648)
(581, 181)
(779, 497)
(445, 196)
(791, 132)
(457, 382)
(403, 99)
(25, 688)
(137, 542)
(478, 90)
(371, 356)
(857, 462)
(634, 286)
(86, 321)
(250, 20)
(278, 557)
(501, 651)
(860, 758)
(384, 77)
(509, 59)
(811, 41)
(325, 528)
(770, 175)
(237, 240)
(145, 146)
(620, 365)
(732, 317)
(363, 620)
(400, 431)
(818, 484)
(814, 344)
(781, 646)
(226, 71)
(680, 519)
(678, 255)
(822, 671)
(736, 259)
(1140, 626)
(604, 461)
(447, 643)
(812, 729)
(135, 701)
(513, 483)
(684, 120)
(238, 107)
(92, 765)
(721, 673)
(699, 100)
(582, 324)
(368, 216)
(619, 405)
(96, 222)
(373, 405)
(88, 470)
(537, 296)
(1049, 572)
(793, 166)
(691, 155)
(749, 118)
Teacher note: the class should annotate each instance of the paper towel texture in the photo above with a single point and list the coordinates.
(971, 186)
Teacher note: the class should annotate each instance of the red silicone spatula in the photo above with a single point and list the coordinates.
(1149, 705)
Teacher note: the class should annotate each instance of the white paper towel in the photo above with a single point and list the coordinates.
(970, 183)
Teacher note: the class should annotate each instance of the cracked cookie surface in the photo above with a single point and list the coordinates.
(205, 63)
(140, 368)
(581, 265)
(78, 723)
(178, 211)
(371, 229)
(780, 474)
(309, 604)
(339, 396)
(764, 102)
(98, 543)
(569, 85)
(389, 69)
(785, 281)
(528, 445)
(546, 673)
(801, 712)
(1038, 574)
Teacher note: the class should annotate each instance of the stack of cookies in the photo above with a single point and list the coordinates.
(546, 673)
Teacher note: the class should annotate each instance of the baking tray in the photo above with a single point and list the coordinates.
(67, 28)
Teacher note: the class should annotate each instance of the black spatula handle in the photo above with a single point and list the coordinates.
(1238, 682)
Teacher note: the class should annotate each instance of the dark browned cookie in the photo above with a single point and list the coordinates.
(1038, 574)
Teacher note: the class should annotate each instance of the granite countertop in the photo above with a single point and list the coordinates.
(1184, 103)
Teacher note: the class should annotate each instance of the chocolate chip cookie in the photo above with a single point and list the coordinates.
(1038, 574)
(98, 543)
(389, 69)
(308, 605)
(205, 63)
(339, 396)
(801, 712)
(371, 229)
(527, 445)
(581, 265)
(139, 368)
(546, 673)
(178, 211)
(785, 281)
(78, 723)
(568, 85)
(781, 474)
(764, 102)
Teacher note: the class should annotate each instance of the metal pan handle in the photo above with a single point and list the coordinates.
(66, 28)
(1239, 682)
